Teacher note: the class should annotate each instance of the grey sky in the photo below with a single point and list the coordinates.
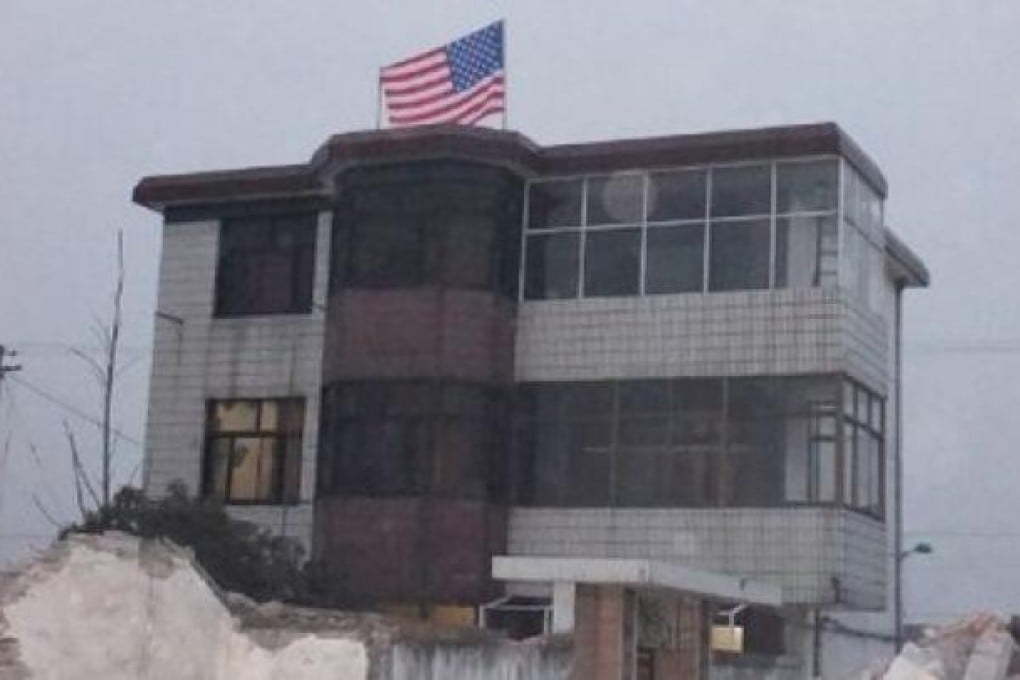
(95, 95)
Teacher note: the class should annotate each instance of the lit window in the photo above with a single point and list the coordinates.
(253, 450)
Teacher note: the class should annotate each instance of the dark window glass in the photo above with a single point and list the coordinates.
(741, 190)
(612, 262)
(551, 263)
(808, 185)
(617, 199)
(676, 195)
(739, 255)
(675, 262)
(253, 450)
(410, 438)
(388, 250)
(468, 255)
(266, 265)
(807, 252)
(556, 203)
(876, 414)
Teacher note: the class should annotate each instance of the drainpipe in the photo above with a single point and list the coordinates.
(898, 473)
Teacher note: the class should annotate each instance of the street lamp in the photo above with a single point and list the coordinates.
(920, 548)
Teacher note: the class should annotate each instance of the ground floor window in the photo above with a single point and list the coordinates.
(253, 450)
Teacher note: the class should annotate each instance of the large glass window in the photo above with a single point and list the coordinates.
(406, 438)
(442, 223)
(748, 442)
(266, 265)
(754, 226)
(253, 450)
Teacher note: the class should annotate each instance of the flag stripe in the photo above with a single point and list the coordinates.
(427, 69)
(454, 110)
(415, 58)
(487, 111)
(448, 100)
(418, 87)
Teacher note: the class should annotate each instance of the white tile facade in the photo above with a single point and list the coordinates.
(202, 358)
(777, 332)
(816, 555)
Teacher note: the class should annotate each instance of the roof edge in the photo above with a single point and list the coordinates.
(908, 268)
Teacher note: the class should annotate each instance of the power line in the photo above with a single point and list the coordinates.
(74, 410)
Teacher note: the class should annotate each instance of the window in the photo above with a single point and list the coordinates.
(863, 450)
(436, 223)
(739, 253)
(266, 265)
(752, 226)
(612, 262)
(552, 266)
(676, 259)
(807, 251)
(253, 450)
(750, 442)
(407, 438)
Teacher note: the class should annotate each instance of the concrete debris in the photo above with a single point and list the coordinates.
(979, 647)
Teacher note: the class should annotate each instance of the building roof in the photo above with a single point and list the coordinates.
(502, 148)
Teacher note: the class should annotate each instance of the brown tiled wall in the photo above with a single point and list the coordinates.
(396, 550)
(419, 332)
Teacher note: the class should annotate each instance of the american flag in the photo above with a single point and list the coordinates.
(461, 82)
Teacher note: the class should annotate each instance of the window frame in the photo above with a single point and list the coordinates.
(302, 282)
(706, 221)
(282, 439)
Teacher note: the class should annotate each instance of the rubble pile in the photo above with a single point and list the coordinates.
(979, 647)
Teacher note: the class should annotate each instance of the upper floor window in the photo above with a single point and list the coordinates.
(442, 224)
(253, 450)
(728, 227)
(266, 265)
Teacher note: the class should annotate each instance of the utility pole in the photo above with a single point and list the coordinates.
(4, 367)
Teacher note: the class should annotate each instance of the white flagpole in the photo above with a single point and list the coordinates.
(506, 75)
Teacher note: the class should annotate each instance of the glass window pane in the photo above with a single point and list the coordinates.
(617, 199)
(676, 195)
(269, 420)
(555, 203)
(807, 253)
(824, 482)
(741, 190)
(235, 416)
(849, 463)
(253, 470)
(644, 396)
(876, 414)
(675, 261)
(809, 185)
(551, 262)
(643, 431)
(849, 400)
(739, 256)
(468, 255)
(612, 262)
(388, 250)
(291, 469)
(588, 399)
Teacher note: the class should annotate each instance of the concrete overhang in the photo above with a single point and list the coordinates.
(639, 573)
(905, 266)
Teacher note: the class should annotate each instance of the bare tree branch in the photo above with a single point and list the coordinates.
(81, 476)
(45, 512)
(111, 367)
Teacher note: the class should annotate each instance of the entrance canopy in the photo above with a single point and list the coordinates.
(636, 573)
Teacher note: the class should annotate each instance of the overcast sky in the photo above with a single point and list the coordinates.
(94, 95)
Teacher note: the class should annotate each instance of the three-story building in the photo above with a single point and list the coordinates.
(549, 386)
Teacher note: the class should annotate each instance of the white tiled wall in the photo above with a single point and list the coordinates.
(207, 358)
(817, 555)
(779, 332)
